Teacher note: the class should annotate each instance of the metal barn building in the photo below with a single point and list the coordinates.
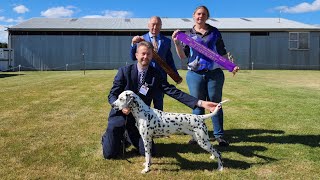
(103, 43)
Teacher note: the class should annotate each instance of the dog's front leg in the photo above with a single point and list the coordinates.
(147, 153)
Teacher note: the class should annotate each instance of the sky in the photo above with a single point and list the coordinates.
(13, 12)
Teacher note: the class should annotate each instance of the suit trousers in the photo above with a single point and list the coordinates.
(158, 101)
(113, 140)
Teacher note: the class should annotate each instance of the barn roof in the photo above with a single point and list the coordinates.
(169, 24)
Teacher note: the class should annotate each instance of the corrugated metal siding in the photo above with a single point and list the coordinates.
(277, 48)
(239, 46)
(91, 52)
(272, 52)
(260, 51)
(53, 52)
(315, 50)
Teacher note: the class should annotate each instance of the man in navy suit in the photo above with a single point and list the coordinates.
(163, 48)
(127, 78)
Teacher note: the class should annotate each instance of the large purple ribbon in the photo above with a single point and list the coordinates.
(206, 51)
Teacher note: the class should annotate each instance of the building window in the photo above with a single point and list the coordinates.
(299, 40)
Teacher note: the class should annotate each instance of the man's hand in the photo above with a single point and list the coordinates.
(137, 39)
(126, 111)
(209, 105)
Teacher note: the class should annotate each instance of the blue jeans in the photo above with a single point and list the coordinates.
(207, 85)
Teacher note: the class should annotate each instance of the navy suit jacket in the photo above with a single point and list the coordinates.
(127, 79)
(164, 52)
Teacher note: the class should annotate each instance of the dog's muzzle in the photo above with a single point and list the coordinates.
(114, 107)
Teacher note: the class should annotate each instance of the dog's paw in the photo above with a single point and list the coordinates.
(212, 157)
(220, 168)
(145, 170)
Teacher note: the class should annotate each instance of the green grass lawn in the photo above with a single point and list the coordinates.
(51, 125)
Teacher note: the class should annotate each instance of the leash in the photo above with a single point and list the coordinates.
(124, 138)
(124, 142)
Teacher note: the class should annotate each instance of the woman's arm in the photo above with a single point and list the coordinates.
(178, 45)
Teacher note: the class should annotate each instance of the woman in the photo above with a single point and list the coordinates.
(205, 78)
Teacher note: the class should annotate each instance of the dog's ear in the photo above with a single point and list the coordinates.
(130, 98)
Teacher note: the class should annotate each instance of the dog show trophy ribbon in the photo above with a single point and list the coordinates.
(206, 51)
(166, 67)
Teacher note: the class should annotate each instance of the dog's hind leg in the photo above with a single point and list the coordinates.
(147, 148)
(204, 143)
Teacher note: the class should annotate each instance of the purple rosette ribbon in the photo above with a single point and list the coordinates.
(206, 51)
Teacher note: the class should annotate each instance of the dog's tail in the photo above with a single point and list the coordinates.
(206, 116)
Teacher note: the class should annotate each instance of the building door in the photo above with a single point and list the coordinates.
(260, 50)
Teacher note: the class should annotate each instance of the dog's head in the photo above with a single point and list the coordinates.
(124, 100)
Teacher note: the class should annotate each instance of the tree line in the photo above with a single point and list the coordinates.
(3, 45)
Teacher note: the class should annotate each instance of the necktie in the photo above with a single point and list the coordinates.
(155, 43)
(141, 79)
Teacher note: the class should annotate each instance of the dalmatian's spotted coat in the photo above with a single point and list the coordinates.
(153, 123)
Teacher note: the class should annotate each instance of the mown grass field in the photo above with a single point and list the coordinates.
(51, 125)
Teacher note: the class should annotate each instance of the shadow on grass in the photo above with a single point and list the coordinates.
(174, 150)
(9, 75)
(270, 136)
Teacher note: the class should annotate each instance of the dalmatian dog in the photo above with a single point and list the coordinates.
(153, 123)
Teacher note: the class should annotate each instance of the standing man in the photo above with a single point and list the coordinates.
(146, 82)
(162, 45)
